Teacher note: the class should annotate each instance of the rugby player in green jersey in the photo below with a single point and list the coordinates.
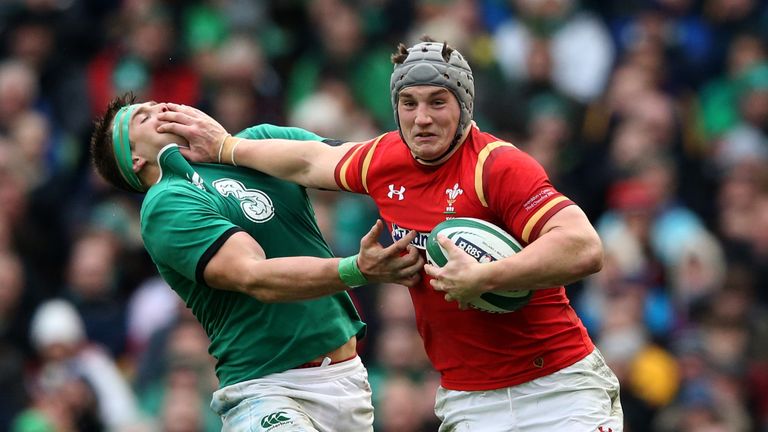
(244, 252)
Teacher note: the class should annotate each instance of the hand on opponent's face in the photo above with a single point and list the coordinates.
(204, 134)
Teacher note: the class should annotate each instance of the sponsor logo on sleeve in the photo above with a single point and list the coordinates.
(538, 198)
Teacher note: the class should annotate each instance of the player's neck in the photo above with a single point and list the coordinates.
(149, 175)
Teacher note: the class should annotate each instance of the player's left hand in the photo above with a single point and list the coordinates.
(399, 263)
(458, 277)
(204, 134)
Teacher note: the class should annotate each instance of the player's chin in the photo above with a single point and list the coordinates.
(180, 140)
(427, 153)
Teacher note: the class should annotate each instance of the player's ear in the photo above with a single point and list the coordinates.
(138, 163)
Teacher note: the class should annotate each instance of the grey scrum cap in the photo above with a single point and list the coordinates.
(425, 65)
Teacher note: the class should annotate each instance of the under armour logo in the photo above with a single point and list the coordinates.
(400, 192)
(274, 418)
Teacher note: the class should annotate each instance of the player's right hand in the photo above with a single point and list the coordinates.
(204, 134)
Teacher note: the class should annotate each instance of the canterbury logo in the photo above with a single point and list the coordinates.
(600, 429)
(273, 419)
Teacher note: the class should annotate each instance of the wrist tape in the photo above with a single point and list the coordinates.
(350, 273)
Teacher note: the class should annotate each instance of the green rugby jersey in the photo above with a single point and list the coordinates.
(189, 214)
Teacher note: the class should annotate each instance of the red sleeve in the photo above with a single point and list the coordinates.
(352, 170)
(518, 189)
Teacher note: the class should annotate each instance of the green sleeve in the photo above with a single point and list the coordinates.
(182, 229)
(266, 131)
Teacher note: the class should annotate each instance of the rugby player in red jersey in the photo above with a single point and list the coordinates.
(534, 369)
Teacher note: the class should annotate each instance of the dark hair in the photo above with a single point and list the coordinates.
(102, 150)
(402, 51)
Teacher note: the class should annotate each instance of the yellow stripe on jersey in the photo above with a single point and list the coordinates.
(539, 213)
(367, 162)
(345, 166)
(481, 157)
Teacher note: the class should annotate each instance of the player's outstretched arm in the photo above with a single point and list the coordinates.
(309, 163)
(240, 265)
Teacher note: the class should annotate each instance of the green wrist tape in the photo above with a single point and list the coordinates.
(350, 273)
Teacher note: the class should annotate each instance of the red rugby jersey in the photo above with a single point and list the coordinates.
(491, 180)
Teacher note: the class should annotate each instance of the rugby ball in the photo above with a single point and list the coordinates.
(485, 242)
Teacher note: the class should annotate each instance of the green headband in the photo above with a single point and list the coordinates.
(122, 147)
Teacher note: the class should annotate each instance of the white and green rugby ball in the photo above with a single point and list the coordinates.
(485, 242)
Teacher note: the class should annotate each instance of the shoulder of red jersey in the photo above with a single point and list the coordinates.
(351, 173)
(491, 150)
(525, 187)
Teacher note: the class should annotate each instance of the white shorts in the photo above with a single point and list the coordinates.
(333, 398)
(583, 397)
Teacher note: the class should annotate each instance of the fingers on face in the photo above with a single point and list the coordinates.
(178, 107)
(184, 118)
(171, 117)
(190, 111)
(198, 112)
(185, 113)
(169, 127)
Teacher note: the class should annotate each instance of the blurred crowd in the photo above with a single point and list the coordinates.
(651, 114)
